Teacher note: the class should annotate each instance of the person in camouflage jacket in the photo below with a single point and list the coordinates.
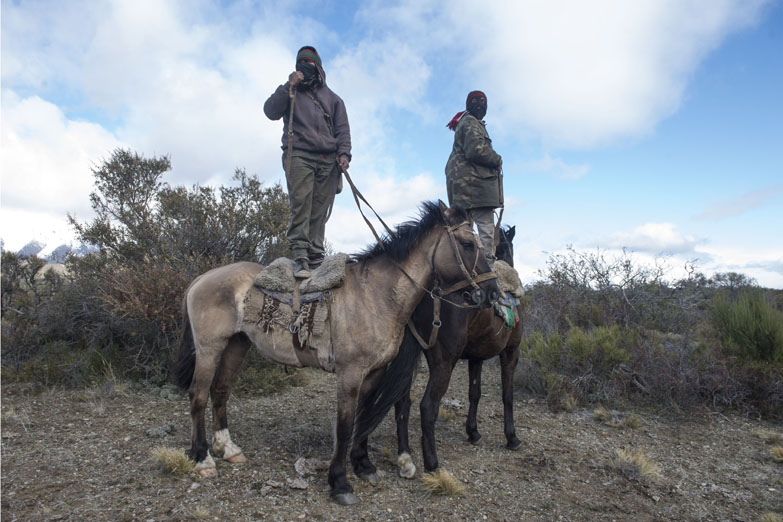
(473, 171)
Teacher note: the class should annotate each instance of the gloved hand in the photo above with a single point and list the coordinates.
(343, 161)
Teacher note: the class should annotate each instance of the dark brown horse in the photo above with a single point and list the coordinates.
(475, 335)
(367, 317)
(472, 334)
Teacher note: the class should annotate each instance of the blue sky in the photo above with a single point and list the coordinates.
(651, 125)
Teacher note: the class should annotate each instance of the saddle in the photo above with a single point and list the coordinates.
(279, 277)
(511, 291)
(277, 300)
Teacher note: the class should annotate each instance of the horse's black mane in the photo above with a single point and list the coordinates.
(407, 235)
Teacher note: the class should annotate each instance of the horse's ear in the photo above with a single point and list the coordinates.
(443, 209)
(510, 232)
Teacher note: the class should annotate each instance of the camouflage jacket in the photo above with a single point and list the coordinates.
(472, 170)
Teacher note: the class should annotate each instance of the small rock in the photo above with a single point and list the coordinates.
(274, 484)
(160, 431)
(305, 466)
(297, 483)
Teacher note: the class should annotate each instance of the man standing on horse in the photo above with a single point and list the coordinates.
(316, 149)
(473, 173)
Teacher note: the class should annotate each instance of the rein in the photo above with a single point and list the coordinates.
(471, 278)
(288, 157)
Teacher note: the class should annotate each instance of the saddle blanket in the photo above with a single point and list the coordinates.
(279, 276)
(269, 310)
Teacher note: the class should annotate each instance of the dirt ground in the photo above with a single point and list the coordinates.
(86, 455)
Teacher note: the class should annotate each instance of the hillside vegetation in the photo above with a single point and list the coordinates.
(598, 329)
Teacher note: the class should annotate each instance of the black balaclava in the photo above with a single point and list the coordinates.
(310, 71)
(476, 104)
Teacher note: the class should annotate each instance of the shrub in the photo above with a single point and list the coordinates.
(123, 301)
(749, 326)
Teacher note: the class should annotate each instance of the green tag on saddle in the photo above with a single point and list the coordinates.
(510, 323)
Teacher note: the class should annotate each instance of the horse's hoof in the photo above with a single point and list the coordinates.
(474, 439)
(372, 478)
(345, 499)
(237, 459)
(208, 472)
(514, 445)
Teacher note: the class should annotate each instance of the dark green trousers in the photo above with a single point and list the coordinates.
(312, 184)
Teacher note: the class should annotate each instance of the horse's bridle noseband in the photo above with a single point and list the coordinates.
(437, 294)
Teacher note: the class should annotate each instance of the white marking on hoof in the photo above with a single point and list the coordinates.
(208, 472)
(206, 468)
(237, 459)
(407, 468)
(222, 445)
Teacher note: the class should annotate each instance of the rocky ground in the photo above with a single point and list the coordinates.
(86, 455)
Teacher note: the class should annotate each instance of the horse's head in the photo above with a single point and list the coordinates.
(459, 263)
(504, 248)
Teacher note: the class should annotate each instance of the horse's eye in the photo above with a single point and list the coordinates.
(468, 244)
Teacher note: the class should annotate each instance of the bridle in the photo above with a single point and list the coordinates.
(471, 278)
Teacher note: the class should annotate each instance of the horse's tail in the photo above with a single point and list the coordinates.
(391, 387)
(186, 362)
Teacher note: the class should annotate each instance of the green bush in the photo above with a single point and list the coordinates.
(597, 351)
(749, 327)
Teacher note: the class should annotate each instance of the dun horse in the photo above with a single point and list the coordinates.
(367, 316)
(475, 335)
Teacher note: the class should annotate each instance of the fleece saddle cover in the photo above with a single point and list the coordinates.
(508, 279)
(279, 276)
(511, 291)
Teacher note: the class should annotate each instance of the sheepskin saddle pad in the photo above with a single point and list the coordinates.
(508, 279)
(278, 277)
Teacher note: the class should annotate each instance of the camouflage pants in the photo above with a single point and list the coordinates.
(312, 183)
(484, 218)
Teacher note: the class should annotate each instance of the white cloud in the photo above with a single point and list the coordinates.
(46, 163)
(394, 200)
(575, 74)
(740, 204)
(557, 168)
(764, 265)
(653, 238)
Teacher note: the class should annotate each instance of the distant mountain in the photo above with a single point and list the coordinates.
(54, 255)
(33, 248)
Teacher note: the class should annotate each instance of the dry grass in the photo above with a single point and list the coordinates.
(636, 466)
(769, 436)
(200, 513)
(446, 414)
(601, 414)
(771, 517)
(614, 419)
(173, 461)
(777, 453)
(631, 422)
(442, 483)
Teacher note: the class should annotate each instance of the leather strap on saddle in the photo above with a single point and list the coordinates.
(296, 308)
